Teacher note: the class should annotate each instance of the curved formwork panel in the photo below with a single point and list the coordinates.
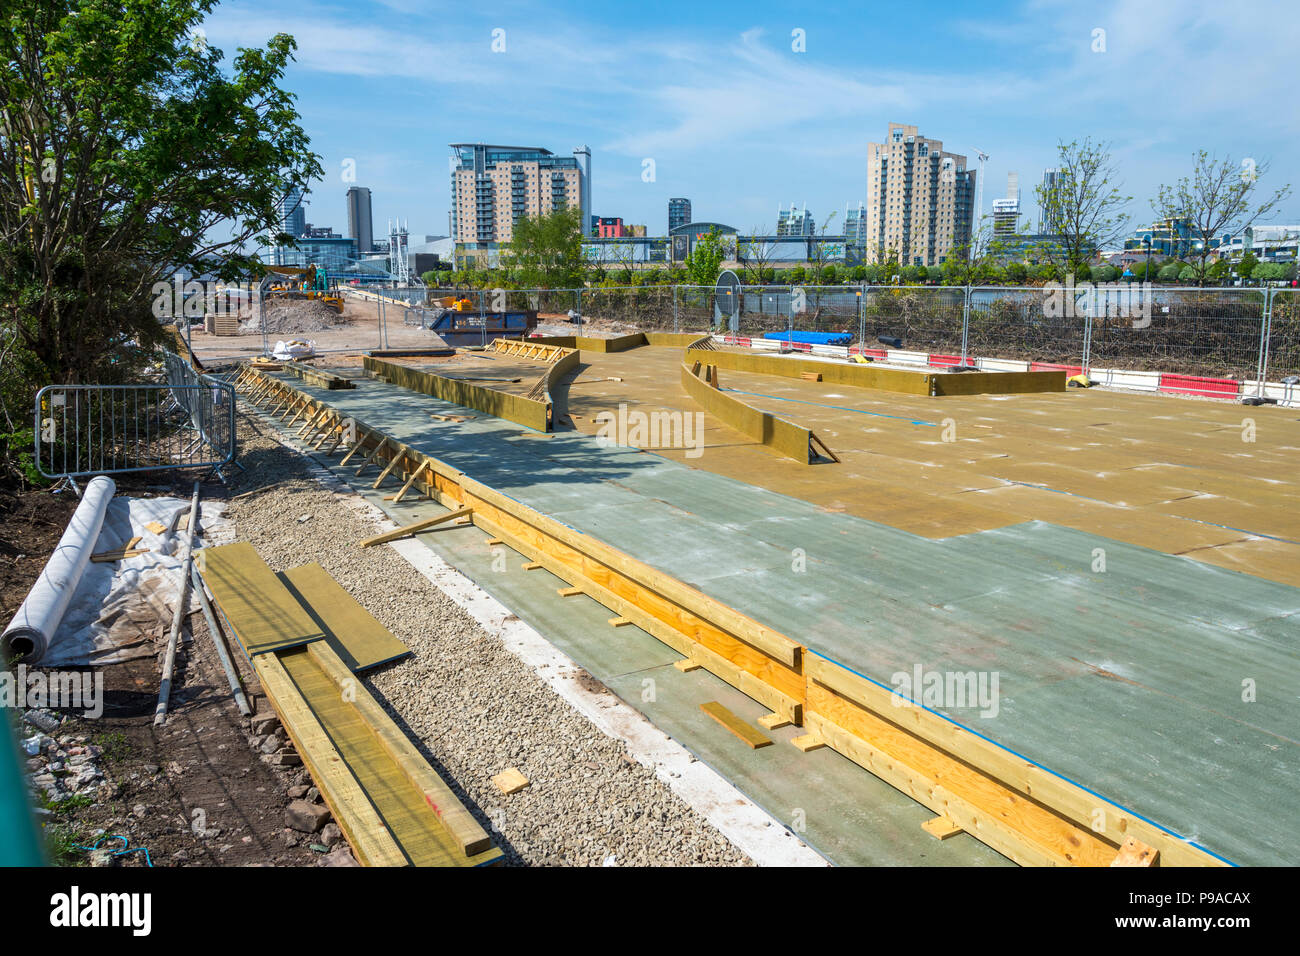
(783, 437)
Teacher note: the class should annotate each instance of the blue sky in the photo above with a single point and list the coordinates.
(739, 122)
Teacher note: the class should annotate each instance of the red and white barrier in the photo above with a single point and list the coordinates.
(1167, 383)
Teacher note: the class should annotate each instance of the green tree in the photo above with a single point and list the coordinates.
(1218, 198)
(1246, 266)
(1170, 271)
(704, 261)
(546, 250)
(1083, 207)
(129, 154)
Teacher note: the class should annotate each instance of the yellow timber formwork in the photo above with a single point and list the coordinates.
(907, 381)
(534, 409)
(786, 438)
(1027, 813)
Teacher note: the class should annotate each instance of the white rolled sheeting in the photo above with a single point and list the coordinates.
(33, 628)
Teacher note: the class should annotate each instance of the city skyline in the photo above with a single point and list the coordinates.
(720, 107)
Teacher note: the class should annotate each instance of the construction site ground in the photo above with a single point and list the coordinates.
(977, 553)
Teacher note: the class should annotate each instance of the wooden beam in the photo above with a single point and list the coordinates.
(774, 721)
(1133, 852)
(373, 453)
(392, 463)
(619, 621)
(568, 592)
(686, 665)
(356, 447)
(411, 481)
(412, 528)
(752, 736)
(808, 742)
(367, 833)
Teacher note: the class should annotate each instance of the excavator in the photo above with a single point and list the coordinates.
(312, 282)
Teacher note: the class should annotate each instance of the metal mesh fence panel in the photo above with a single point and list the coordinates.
(805, 308)
(1206, 332)
(1283, 352)
(693, 308)
(1021, 324)
(926, 318)
(648, 307)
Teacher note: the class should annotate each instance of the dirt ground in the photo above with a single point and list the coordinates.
(194, 791)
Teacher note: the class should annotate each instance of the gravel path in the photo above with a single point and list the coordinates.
(474, 706)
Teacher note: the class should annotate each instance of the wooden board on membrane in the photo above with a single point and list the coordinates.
(360, 640)
(261, 611)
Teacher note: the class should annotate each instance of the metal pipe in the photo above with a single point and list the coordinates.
(169, 662)
(227, 665)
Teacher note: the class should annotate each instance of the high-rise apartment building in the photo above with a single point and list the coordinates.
(855, 224)
(679, 213)
(795, 221)
(920, 199)
(361, 225)
(492, 187)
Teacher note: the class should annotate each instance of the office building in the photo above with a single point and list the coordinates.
(361, 225)
(920, 199)
(679, 213)
(1006, 212)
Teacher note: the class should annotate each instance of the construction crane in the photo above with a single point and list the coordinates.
(979, 192)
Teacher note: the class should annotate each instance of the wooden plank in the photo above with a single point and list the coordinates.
(423, 839)
(369, 836)
(262, 613)
(533, 566)
(568, 592)
(360, 640)
(450, 812)
(686, 665)
(808, 742)
(752, 736)
(619, 621)
(941, 828)
(412, 528)
(773, 721)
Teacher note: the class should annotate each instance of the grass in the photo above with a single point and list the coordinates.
(115, 746)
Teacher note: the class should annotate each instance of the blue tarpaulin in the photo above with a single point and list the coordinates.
(811, 338)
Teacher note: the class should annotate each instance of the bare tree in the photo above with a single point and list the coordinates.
(1083, 205)
(756, 253)
(1217, 198)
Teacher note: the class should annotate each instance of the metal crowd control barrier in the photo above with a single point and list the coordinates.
(186, 422)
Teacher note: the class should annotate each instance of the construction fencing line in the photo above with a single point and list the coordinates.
(1018, 807)
(84, 430)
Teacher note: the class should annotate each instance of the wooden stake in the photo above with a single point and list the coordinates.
(413, 528)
